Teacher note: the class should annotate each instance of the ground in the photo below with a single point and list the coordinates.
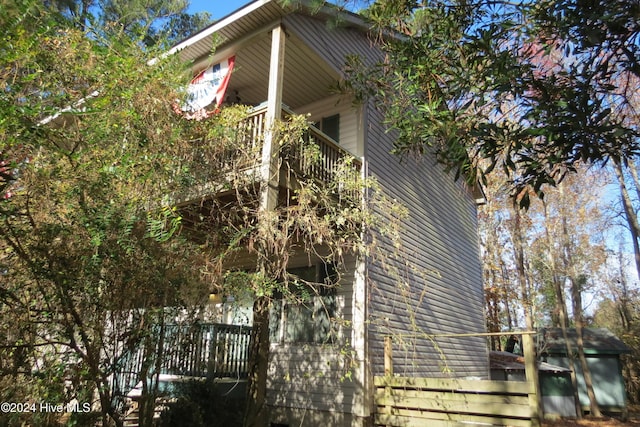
(605, 422)
(615, 421)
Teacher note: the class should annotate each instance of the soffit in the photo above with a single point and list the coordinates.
(246, 34)
(307, 77)
(249, 19)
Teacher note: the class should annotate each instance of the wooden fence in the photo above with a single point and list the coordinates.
(435, 402)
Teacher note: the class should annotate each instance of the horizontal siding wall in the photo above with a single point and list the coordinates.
(334, 43)
(348, 119)
(432, 284)
(313, 376)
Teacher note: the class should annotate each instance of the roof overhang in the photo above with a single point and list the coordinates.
(246, 33)
(250, 21)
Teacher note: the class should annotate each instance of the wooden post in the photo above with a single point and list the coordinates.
(255, 412)
(388, 373)
(269, 165)
(388, 357)
(531, 375)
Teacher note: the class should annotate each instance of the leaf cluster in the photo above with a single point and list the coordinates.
(150, 23)
(87, 149)
(535, 89)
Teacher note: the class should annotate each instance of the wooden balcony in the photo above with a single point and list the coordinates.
(243, 154)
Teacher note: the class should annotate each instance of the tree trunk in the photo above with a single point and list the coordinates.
(622, 296)
(576, 295)
(507, 294)
(634, 175)
(561, 308)
(527, 302)
(576, 283)
(630, 213)
(255, 415)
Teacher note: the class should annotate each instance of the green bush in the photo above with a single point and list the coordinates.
(202, 403)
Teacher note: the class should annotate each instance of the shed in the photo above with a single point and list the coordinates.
(602, 350)
(555, 381)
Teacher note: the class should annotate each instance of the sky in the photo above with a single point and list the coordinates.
(221, 8)
(217, 8)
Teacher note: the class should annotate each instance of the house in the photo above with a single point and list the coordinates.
(288, 59)
(602, 350)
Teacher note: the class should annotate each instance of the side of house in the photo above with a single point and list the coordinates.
(314, 383)
(324, 356)
(431, 284)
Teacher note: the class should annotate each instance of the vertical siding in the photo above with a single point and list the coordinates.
(433, 283)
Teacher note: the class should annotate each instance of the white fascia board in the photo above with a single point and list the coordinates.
(351, 18)
(218, 25)
(76, 107)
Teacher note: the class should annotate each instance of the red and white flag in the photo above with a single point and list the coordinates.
(208, 87)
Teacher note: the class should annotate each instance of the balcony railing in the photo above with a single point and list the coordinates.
(209, 350)
(240, 154)
(213, 350)
(332, 156)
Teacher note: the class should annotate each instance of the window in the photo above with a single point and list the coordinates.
(309, 319)
(330, 126)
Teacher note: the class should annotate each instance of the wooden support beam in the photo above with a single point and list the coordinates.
(269, 165)
(388, 356)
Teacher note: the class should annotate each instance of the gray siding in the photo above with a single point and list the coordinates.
(333, 43)
(313, 376)
(348, 119)
(439, 264)
(432, 284)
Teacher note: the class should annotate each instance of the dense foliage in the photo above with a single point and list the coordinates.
(536, 88)
(119, 216)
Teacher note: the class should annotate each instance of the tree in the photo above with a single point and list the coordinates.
(564, 250)
(618, 312)
(152, 22)
(90, 256)
(502, 297)
(525, 86)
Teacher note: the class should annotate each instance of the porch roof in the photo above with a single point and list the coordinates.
(245, 33)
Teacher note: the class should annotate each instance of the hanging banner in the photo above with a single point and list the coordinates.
(207, 88)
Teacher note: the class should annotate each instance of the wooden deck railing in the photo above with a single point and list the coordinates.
(205, 350)
(213, 350)
(242, 152)
(324, 169)
(332, 158)
(249, 136)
